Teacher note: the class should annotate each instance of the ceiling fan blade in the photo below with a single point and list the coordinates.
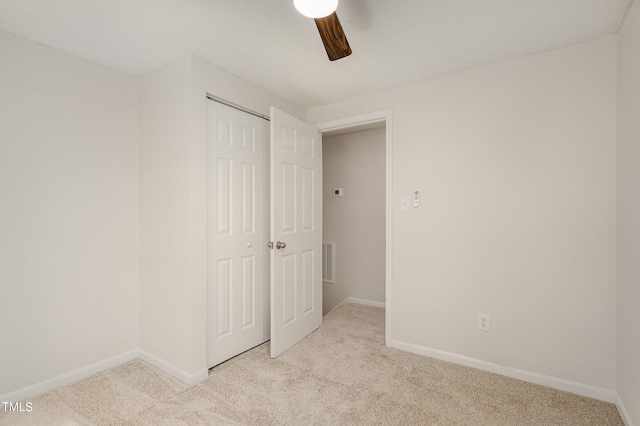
(333, 38)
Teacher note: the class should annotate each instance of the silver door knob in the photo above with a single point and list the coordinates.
(280, 245)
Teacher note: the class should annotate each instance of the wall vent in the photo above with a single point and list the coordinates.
(328, 262)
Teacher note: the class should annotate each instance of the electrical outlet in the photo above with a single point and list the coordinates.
(484, 322)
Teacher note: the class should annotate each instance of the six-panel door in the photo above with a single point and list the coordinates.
(296, 221)
(236, 162)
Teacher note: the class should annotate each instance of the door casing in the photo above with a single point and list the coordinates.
(354, 123)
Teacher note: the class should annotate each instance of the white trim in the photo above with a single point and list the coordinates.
(622, 410)
(178, 373)
(89, 370)
(515, 373)
(359, 121)
(359, 302)
(353, 122)
(365, 302)
(389, 227)
(70, 377)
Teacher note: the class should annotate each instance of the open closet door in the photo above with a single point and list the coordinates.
(296, 230)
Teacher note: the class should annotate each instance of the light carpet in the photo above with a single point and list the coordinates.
(340, 374)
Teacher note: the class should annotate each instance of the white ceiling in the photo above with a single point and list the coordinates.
(394, 42)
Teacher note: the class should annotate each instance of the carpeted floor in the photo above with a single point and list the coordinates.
(341, 374)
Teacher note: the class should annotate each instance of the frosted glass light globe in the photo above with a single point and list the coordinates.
(316, 8)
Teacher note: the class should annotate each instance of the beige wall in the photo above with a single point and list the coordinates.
(516, 164)
(629, 214)
(165, 205)
(69, 229)
(356, 222)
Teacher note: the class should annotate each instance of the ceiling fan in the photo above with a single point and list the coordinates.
(323, 13)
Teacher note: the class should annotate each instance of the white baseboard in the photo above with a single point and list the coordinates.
(626, 418)
(527, 376)
(360, 302)
(178, 373)
(65, 379)
(81, 373)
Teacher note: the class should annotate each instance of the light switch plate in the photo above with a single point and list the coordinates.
(404, 204)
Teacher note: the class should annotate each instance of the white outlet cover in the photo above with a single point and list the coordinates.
(484, 322)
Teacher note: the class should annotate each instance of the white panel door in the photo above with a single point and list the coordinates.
(296, 230)
(236, 186)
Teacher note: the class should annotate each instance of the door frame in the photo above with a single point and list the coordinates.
(355, 123)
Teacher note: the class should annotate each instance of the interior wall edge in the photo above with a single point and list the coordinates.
(178, 373)
(622, 410)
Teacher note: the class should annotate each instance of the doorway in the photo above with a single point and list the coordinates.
(354, 216)
(365, 121)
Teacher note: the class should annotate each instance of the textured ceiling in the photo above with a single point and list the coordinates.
(267, 42)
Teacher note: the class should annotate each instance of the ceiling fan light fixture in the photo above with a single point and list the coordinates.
(316, 8)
